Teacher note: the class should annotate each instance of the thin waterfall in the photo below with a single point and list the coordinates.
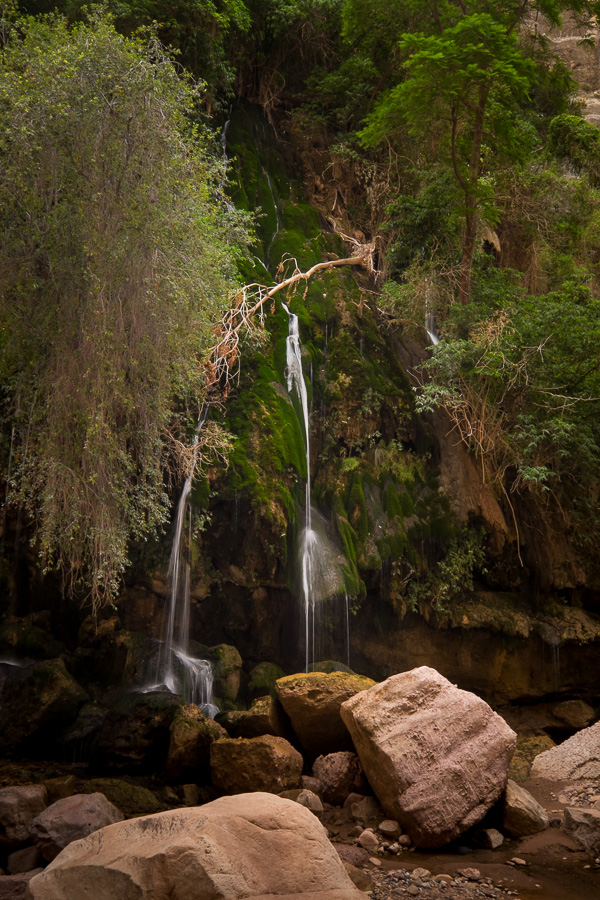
(295, 382)
(430, 317)
(177, 670)
(322, 586)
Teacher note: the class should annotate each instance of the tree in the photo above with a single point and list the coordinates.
(466, 76)
(116, 260)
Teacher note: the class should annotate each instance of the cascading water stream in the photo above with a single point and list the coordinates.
(177, 670)
(295, 382)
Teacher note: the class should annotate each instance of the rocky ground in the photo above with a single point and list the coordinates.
(549, 865)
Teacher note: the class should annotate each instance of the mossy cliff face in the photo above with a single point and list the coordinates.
(410, 525)
(372, 480)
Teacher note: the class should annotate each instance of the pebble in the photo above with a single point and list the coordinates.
(470, 874)
(412, 889)
(374, 861)
(419, 873)
(518, 861)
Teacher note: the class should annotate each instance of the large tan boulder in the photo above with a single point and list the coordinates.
(251, 845)
(266, 763)
(312, 701)
(579, 757)
(437, 757)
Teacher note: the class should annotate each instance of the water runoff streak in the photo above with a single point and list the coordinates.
(320, 576)
(178, 671)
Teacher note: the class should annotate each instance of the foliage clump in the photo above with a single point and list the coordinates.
(114, 267)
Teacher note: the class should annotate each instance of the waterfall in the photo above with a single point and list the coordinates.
(178, 671)
(430, 317)
(295, 381)
(322, 589)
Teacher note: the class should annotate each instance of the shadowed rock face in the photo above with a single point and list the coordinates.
(436, 757)
(251, 845)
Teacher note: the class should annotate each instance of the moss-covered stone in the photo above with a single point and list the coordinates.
(37, 702)
(132, 799)
(192, 733)
(227, 671)
(263, 677)
(312, 701)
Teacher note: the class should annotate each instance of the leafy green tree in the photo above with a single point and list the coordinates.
(465, 78)
(115, 263)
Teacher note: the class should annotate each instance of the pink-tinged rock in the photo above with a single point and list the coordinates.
(579, 757)
(437, 757)
(336, 773)
(265, 763)
(251, 845)
(71, 819)
(19, 805)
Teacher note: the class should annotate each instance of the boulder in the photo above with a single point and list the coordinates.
(59, 787)
(521, 813)
(37, 702)
(336, 773)
(437, 757)
(265, 716)
(267, 763)
(579, 757)
(528, 747)
(251, 845)
(227, 669)
(192, 733)
(19, 805)
(262, 679)
(135, 734)
(312, 701)
(130, 799)
(24, 860)
(14, 887)
(584, 826)
(29, 637)
(71, 819)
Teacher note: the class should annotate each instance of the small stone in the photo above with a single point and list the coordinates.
(404, 840)
(412, 889)
(444, 879)
(24, 860)
(374, 861)
(470, 874)
(389, 828)
(419, 873)
(368, 840)
(490, 838)
(518, 861)
(356, 831)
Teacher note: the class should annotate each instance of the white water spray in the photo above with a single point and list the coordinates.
(178, 671)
